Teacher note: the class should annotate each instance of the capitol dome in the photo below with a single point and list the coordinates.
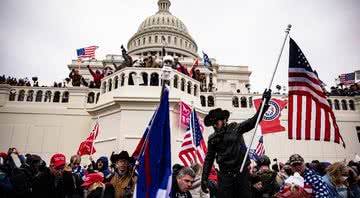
(162, 29)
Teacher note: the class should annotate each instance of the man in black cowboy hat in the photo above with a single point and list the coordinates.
(227, 145)
(123, 180)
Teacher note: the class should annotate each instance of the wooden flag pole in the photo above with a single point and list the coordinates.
(287, 31)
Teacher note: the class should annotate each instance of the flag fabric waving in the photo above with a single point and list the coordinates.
(309, 116)
(195, 65)
(185, 113)
(260, 149)
(347, 79)
(271, 120)
(207, 61)
(154, 173)
(86, 52)
(87, 147)
(193, 148)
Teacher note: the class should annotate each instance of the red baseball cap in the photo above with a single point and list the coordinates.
(58, 160)
(92, 178)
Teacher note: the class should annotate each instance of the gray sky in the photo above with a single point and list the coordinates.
(39, 37)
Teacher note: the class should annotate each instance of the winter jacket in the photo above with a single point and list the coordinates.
(105, 169)
(196, 191)
(120, 182)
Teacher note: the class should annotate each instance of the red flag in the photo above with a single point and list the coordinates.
(87, 147)
(271, 122)
(185, 111)
(195, 65)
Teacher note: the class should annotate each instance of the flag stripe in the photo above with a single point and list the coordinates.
(298, 123)
(308, 112)
(290, 117)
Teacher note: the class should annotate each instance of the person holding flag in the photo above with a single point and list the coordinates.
(227, 145)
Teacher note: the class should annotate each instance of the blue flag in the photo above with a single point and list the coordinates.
(207, 61)
(154, 178)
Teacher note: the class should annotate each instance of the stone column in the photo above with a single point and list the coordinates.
(77, 97)
(4, 94)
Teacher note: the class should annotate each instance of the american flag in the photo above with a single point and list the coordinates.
(193, 148)
(260, 149)
(310, 116)
(347, 79)
(86, 52)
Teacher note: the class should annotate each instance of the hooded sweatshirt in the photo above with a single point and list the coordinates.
(105, 169)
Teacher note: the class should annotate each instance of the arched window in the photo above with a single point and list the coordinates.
(110, 85)
(38, 96)
(211, 101)
(336, 104)
(30, 96)
(132, 76)
(203, 101)
(175, 40)
(56, 96)
(189, 87)
(250, 102)
(12, 95)
(351, 105)
(97, 97)
(169, 39)
(235, 101)
(149, 39)
(65, 97)
(144, 41)
(154, 79)
(122, 79)
(91, 98)
(182, 87)
(103, 89)
(203, 84)
(344, 105)
(47, 96)
(195, 90)
(176, 81)
(243, 102)
(21, 96)
(330, 103)
(145, 79)
(116, 81)
(156, 39)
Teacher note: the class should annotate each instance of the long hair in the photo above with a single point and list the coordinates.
(336, 171)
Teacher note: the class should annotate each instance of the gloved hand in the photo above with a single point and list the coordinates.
(205, 185)
(266, 95)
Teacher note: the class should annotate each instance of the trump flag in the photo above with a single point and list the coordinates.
(271, 122)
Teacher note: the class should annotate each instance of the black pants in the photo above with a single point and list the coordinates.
(233, 184)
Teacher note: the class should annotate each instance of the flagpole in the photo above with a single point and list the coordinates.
(287, 31)
(92, 145)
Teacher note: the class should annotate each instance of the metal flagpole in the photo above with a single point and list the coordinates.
(263, 104)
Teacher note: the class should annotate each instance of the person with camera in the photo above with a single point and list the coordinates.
(124, 179)
(227, 145)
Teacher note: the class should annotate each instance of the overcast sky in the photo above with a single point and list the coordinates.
(40, 37)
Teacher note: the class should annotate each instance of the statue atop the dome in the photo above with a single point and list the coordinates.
(128, 61)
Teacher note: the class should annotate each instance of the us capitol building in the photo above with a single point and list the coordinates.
(47, 120)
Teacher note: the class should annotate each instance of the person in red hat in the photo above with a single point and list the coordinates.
(95, 188)
(57, 181)
(228, 146)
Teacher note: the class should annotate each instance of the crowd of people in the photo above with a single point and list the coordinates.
(352, 90)
(115, 177)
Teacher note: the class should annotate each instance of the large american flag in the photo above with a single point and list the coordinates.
(193, 148)
(347, 79)
(86, 52)
(310, 117)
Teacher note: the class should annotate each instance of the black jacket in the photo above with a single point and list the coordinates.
(227, 145)
(46, 185)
